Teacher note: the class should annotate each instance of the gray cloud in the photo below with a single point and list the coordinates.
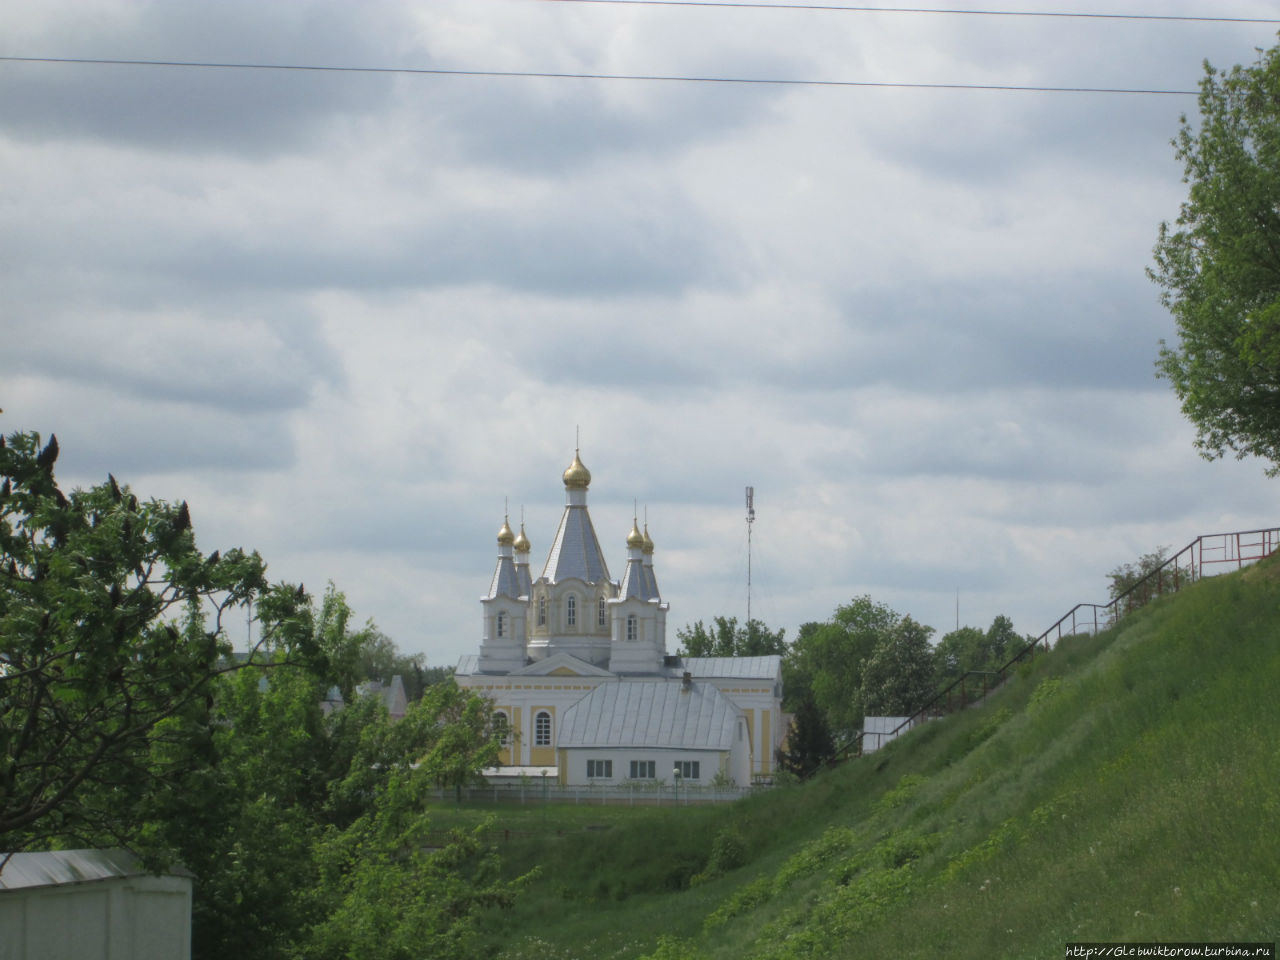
(248, 112)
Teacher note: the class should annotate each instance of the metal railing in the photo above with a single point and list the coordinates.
(627, 793)
(1177, 571)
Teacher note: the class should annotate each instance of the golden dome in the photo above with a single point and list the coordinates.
(522, 542)
(635, 538)
(577, 477)
(648, 540)
(505, 536)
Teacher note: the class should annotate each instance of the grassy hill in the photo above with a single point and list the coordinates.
(1123, 787)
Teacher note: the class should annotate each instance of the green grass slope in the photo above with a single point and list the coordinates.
(1122, 787)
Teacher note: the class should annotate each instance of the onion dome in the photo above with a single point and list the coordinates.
(522, 542)
(505, 537)
(577, 477)
(648, 540)
(635, 538)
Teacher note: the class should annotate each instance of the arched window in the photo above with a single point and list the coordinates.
(542, 611)
(633, 627)
(542, 729)
(501, 624)
(502, 728)
(602, 614)
(571, 611)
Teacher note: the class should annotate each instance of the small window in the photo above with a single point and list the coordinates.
(599, 769)
(633, 627)
(502, 728)
(644, 770)
(542, 611)
(688, 769)
(542, 729)
(571, 611)
(602, 614)
(502, 625)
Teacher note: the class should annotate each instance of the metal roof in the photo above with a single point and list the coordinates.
(505, 582)
(638, 582)
(575, 552)
(651, 578)
(726, 668)
(54, 867)
(701, 668)
(640, 713)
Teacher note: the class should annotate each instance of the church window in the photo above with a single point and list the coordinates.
(597, 769)
(502, 728)
(502, 624)
(633, 627)
(542, 729)
(602, 615)
(542, 611)
(571, 611)
(644, 770)
(688, 769)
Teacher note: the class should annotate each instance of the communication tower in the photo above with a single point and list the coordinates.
(751, 518)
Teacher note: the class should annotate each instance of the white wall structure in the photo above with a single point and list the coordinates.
(91, 905)
(577, 666)
(877, 731)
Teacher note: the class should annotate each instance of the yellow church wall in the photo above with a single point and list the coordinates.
(542, 756)
(517, 728)
(513, 733)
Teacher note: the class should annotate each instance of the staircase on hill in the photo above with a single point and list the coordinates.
(1206, 554)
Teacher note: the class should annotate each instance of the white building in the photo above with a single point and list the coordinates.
(577, 668)
(91, 905)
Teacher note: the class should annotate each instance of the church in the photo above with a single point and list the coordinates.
(576, 666)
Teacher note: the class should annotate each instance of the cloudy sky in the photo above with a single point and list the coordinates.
(349, 315)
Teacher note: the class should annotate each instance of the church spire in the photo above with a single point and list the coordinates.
(638, 581)
(505, 583)
(522, 548)
(575, 552)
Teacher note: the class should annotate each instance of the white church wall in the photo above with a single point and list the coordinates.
(580, 763)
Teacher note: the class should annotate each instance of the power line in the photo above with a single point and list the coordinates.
(845, 8)
(533, 74)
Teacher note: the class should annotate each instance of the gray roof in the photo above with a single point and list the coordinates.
(575, 552)
(730, 668)
(52, 867)
(652, 578)
(638, 582)
(505, 582)
(639, 713)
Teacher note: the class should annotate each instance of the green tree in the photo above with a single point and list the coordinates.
(381, 660)
(957, 653)
(826, 661)
(898, 676)
(304, 818)
(809, 745)
(970, 649)
(1218, 266)
(726, 638)
(104, 694)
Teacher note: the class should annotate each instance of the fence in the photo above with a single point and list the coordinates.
(629, 793)
(1181, 569)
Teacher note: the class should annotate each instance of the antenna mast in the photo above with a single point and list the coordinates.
(751, 518)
